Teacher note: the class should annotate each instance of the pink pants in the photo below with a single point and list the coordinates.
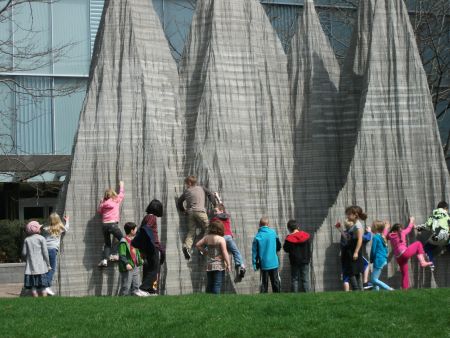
(415, 248)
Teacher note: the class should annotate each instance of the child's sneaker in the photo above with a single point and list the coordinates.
(114, 258)
(242, 271)
(367, 286)
(49, 292)
(186, 253)
(103, 263)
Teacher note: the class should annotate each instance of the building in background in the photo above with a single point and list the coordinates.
(41, 96)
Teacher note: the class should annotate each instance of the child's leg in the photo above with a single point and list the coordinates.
(366, 270)
(429, 249)
(416, 248)
(135, 280)
(115, 231)
(107, 240)
(355, 282)
(126, 279)
(264, 281)
(304, 278)
(403, 265)
(191, 231)
(232, 247)
(34, 292)
(52, 253)
(295, 277)
(275, 280)
(377, 282)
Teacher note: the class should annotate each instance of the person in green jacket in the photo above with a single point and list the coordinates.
(129, 262)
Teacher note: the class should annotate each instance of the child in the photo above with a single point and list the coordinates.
(402, 252)
(194, 195)
(346, 267)
(367, 237)
(265, 246)
(154, 252)
(438, 225)
(221, 215)
(37, 262)
(52, 234)
(351, 257)
(298, 246)
(109, 209)
(379, 254)
(218, 259)
(129, 263)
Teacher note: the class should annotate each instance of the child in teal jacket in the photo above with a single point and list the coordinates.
(379, 254)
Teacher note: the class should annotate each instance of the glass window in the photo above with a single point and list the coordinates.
(71, 43)
(5, 37)
(67, 112)
(7, 134)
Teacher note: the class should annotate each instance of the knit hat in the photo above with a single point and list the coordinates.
(32, 228)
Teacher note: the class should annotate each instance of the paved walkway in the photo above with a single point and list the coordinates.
(10, 290)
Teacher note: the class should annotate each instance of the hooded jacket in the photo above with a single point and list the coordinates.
(298, 246)
(225, 219)
(265, 246)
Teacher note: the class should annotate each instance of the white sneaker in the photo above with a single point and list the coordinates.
(103, 263)
(49, 292)
(140, 293)
(114, 258)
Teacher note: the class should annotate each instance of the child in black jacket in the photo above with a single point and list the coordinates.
(298, 246)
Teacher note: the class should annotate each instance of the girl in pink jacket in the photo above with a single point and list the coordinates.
(109, 209)
(403, 252)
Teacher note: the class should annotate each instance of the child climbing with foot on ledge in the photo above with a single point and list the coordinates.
(109, 208)
(403, 252)
(221, 215)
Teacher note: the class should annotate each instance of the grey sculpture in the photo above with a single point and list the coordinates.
(129, 129)
(397, 167)
(265, 134)
(234, 88)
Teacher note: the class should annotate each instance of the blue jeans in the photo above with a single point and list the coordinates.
(231, 247)
(300, 278)
(214, 281)
(375, 279)
(52, 254)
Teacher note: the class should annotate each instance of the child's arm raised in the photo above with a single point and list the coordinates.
(121, 192)
(410, 226)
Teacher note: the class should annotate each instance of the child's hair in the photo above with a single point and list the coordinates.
(128, 227)
(109, 193)
(442, 205)
(378, 226)
(55, 226)
(191, 180)
(397, 227)
(155, 208)
(264, 221)
(292, 225)
(216, 228)
(360, 212)
(221, 207)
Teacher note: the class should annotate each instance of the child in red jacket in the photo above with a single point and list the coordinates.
(298, 246)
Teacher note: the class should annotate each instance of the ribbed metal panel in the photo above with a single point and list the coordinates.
(71, 26)
(34, 116)
(95, 15)
(67, 113)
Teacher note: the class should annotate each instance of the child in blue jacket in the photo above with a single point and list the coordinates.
(379, 254)
(265, 246)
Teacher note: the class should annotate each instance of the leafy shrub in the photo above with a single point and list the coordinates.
(12, 234)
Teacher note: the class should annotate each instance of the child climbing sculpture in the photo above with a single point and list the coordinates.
(195, 197)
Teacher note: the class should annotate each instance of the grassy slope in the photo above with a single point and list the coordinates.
(416, 313)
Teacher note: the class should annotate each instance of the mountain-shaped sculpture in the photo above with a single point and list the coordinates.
(129, 130)
(234, 88)
(397, 166)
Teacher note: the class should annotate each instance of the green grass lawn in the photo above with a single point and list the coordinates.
(415, 313)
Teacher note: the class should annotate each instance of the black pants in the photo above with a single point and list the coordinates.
(274, 280)
(108, 230)
(150, 272)
(355, 282)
